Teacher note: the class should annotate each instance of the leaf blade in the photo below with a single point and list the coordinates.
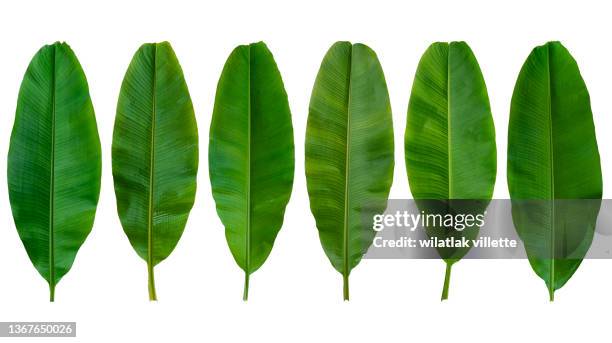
(449, 142)
(251, 154)
(155, 154)
(349, 130)
(461, 130)
(54, 162)
(552, 158)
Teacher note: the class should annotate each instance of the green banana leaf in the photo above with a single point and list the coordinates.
(155, 154)
(251, 154)
(450, 151)
(349, 152)
(54, 162)
(552, 161)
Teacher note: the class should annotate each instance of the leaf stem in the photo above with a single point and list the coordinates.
(447, 276)
(345, 284)
(152, 294)
(51, 292)
(245, 294)
(551, 293)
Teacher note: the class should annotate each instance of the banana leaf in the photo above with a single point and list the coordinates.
(251, 155)
(450, 152)
(154, 154)
(54, 162)
(349, 153)
(554, 172)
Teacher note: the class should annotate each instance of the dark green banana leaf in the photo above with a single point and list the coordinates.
(251, 154)
(450, 151)
(553, 163)
(155, 154)
(54, 162)
(349, 152)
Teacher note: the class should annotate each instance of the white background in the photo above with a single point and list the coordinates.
(297, 295)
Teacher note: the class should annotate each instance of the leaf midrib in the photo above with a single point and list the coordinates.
(552, 174)
(152, 163)
(248, 173)
(448, 122)
(345, 233)
(52, 179)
